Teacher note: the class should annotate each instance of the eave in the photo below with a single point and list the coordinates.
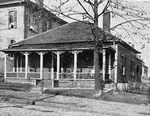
(11, 2)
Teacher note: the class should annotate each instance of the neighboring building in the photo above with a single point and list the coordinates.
(20, 19)
(64, 56)
(144, 71)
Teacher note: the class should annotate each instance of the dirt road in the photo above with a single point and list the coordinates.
(72, 106)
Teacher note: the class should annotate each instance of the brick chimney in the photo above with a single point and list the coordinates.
(106, 21)
(39, 2)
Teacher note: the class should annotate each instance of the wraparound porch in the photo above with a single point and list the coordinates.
(58, 65)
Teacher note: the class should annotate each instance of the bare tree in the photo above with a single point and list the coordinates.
(129, 16)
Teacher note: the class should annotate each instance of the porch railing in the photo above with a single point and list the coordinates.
(47, 75)
(30, 75)
(66, 76)
(33, 75)
(15, 75)
(85, 76)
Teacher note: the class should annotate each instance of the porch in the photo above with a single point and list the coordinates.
(61, 68)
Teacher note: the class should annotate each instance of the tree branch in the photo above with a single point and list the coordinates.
(107, 5)
(124, 23)
(91, 4)
(61, 4)
(101, 1)
(128, 34)
(84, 9)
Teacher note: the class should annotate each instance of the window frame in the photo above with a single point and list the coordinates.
(12, 19)
(123, 64)
(137, 70)
(132, 67)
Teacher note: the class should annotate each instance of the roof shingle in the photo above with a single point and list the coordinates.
(72, 32)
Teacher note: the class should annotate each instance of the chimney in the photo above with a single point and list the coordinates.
(106, 21)
(39, 2)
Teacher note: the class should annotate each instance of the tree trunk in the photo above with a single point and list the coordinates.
(96, 50)
(96, 64)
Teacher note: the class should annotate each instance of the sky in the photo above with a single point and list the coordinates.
(139, 41)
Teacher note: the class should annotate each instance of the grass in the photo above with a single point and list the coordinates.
(124, 97)
(14, 86)
(84, 93)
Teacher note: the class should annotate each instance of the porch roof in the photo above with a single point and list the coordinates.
(51, 47)
(5, 2)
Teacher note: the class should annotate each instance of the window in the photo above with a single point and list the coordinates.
(12, 19)
(45, 26)
(123, 64)
(33, 22)
(145, 71)
(132, 67)
(137, 70)
(10, 41)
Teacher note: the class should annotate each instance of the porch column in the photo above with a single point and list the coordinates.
(52, 69)
(5, 66)
(41, 64)
(17, 64)
(75, 63)
(58, 64)
(26, 64)
(13, 63)
(20, 62)
(116, 64)
(104, 63)
(109, 66)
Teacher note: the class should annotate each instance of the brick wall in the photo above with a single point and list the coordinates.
(76, 84)
(129, 56)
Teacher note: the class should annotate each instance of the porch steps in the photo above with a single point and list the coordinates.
(109, 86)
(40, 87)
(36, 89)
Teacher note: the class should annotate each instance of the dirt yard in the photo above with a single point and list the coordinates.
(14, 103)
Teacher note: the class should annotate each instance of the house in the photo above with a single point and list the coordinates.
(144, 72)
(63, 57)
(20, 19)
